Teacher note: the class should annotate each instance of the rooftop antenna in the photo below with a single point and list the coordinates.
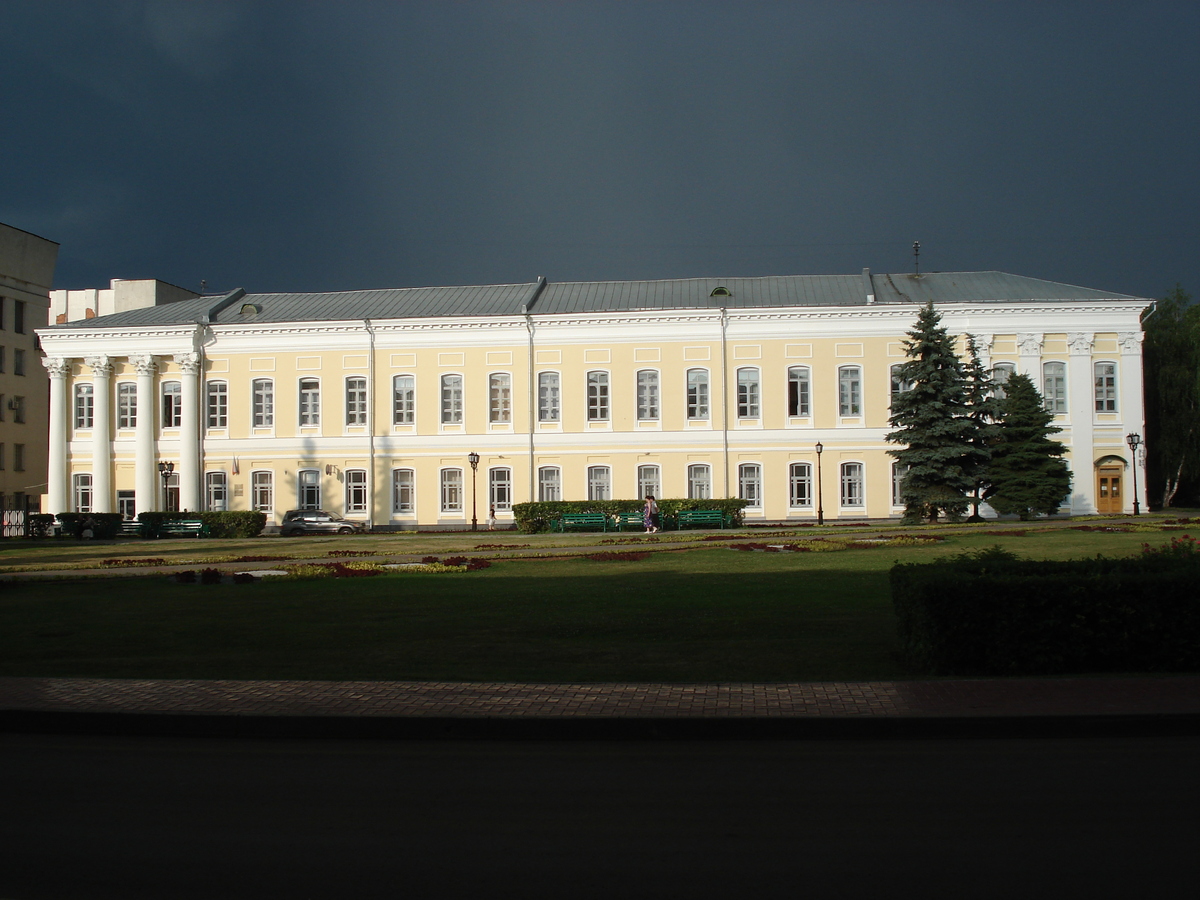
(203, 285)
(917, 257)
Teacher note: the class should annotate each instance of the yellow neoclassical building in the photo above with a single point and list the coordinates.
(371, 403)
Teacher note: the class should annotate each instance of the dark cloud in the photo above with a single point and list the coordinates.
(322, 146)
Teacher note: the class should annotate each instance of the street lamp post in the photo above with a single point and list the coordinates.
(165, 469)
(1134, 441)
(820, 492)
(473, 459)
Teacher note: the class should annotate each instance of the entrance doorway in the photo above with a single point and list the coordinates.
(1108, 490)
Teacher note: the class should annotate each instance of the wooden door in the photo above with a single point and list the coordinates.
(1108, 490)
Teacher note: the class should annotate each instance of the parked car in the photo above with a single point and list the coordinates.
(317, 521)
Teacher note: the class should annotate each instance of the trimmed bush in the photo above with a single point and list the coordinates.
(990, 613)
(537, 517)
(229, 524)
(105, 526)
(38, 525)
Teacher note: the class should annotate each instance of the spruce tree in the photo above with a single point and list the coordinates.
(1027, 474)
(932, 420)
(983, 409)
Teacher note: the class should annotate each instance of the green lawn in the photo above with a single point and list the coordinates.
(701, 615)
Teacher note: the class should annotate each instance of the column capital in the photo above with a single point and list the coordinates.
(1080, 343)
(100, 365)
(1030, 344)
(189, 363)
(1131, 341)
(57, 366)
(144, 363)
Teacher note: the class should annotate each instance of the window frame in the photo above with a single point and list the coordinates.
(262, 488)
(83, 496)
(998, 384)
(599, 482)
(699, 489)
(500, 488)
(651, 485)
(404, 399)
(308, 399)
(1055, 401)
(452, 403)
(308, 488)
(549, 396)
(549, 484)
(216, 490)
(800, 485)
(450, 480)
(749, 392)
(171, 393)
(85, 405)
(216, 403)
(355, 493)
(404, 483)
(750, 484)
(648, 400)
(699, 399)
(897, 384)
(127, 406)
(500, 406)
(850, 399)
(799, 392)
(354, 389)
(1105, 387)
(852, 483)
(262, 403)
(599, 406)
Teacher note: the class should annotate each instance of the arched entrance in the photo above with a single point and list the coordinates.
(1110, 495)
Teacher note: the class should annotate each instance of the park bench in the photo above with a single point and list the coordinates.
(584, 521)
(688, 518)
(182, 528)
(625, 520)
(131, 528)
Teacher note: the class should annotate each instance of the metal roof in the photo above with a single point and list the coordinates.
(544, 298)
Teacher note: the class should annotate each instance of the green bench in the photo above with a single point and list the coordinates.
(629, 520)
(182, 528)
(700, 518)
(584, 522)
(131, 528)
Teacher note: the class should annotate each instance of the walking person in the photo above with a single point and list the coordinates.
(650, 514)
(491, 520)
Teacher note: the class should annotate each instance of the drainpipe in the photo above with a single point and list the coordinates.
(525, 308)
(370, 424)
(725, 399)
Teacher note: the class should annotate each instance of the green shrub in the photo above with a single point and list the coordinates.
(38, 525)
(537, 517)
(105, 526)
(989, 613)
(229, 524)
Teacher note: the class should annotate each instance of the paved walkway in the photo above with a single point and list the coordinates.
(1016, 706)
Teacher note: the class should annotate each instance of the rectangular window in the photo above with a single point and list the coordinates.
(310, 489)
(84, 407)
(216, 491)
(597, 396)
(403, 492)
(697, 394)
(18, 409)
(356, 401)
(747, 393)
(649, 482)
(404, 400)
(849, 391)
(452, 400)
(1, 457)
(500, 489)
(356, 490)
(1106, 387)
(172, 409)
(452, 490)
(699, 482)
(262, 492)
(126, 404)
(218, 404)
(549, 484)
(263, 400)
(2, 407)
(898, 473)
(127, 504)
(18, 361)
(647, 395)
(1000, 375)
(19, 316)
(171, 492)
(18, 457)
(1, 359)
(548, 397)
(83, 493)
(800, 492)
(500, 397)
(599, 483)
(750, 483)
(1054, 395)
(900, 384)
(852, 484)
(310, 402)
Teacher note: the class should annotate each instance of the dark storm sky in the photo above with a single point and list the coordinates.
(321, 146)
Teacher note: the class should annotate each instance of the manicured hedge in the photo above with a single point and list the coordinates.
(230, 524)
(989, 614)
(105, 526)
(534, 517)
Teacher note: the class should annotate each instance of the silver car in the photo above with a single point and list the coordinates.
(317, 521)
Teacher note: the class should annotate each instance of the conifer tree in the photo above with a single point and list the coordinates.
(983, 409)
(1027, 474)
(933, 421)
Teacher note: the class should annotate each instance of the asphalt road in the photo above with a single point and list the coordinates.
(93, 817)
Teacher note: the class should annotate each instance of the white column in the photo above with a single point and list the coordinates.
(189, 432)
(146, 473)
(57, 489)
(1133, 413)
(1081, 406)
(102, 493)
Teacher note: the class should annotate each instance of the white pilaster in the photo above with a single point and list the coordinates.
(1030, 346)
(102, 492)
(1133, 413)
(146, 473)
(189, 432)
(1081, 405)
(57, 489)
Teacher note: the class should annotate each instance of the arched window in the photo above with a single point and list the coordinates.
(852, 492)
(647, 395)
(649, 481)
(84, 408)
(452, 490)
(747, 393)
(699, 482)
(798, 391)
(1106, 387)
(404, 400)
(172, 404)
(500, 488)
(549, 484)
(849, 391)
(599, 483)
(218, 405)
(597, 396)
(800, 491)
(697, 393)
(1054, 392)
(750, 483)
(500, 397)
(403, 492)
(262, 391)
